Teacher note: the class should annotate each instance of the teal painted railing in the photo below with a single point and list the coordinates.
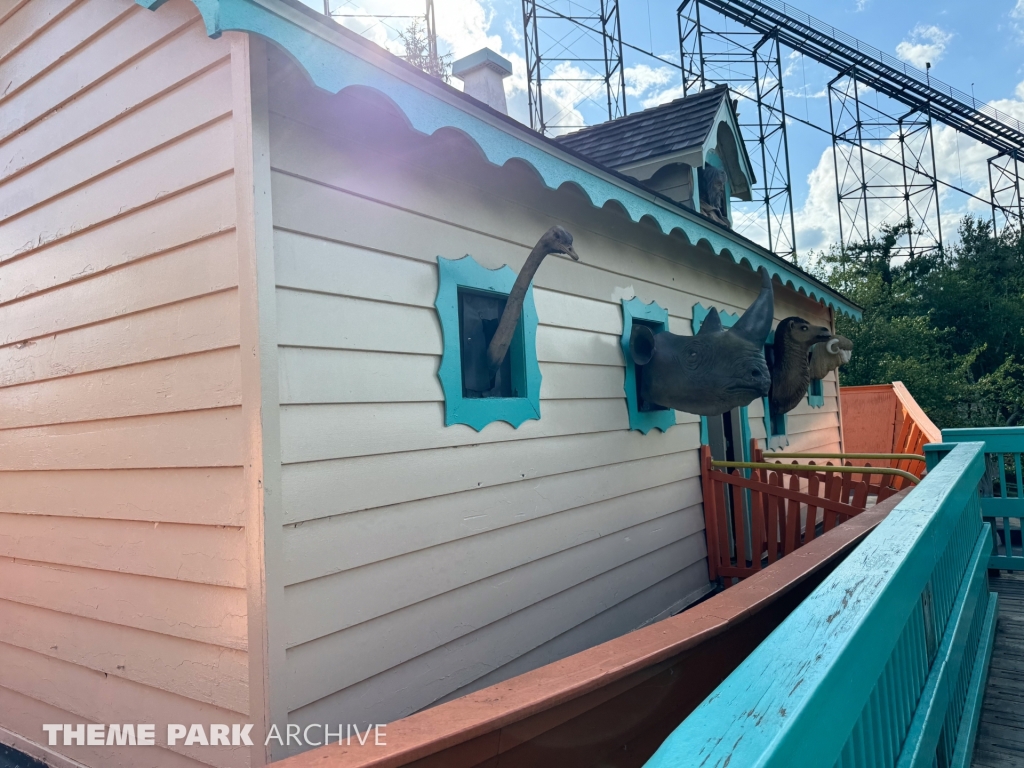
(884, 664)
(1002, 489)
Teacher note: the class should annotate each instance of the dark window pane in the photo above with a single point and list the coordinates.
(479, 314)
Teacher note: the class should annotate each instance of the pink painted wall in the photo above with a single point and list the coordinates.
(123, 577)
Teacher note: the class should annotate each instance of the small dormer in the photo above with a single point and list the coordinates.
(689, 150)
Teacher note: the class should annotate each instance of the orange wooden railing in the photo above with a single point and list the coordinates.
(885, 418)
(780, 506)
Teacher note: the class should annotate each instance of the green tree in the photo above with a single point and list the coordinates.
(418, 51)
(949, 324)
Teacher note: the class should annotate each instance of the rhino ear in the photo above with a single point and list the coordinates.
(641, 344)
(712, 323)
(756, 323)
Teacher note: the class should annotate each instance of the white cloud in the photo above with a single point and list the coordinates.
(642, 78)
(958, 160)
(927, 43)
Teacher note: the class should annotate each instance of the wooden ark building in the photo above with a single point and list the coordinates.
(240, 480)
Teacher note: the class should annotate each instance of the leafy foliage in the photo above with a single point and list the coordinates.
(418, 52)
(948, 324)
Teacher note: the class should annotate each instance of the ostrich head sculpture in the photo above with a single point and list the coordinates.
(555, 240)
(712, 372)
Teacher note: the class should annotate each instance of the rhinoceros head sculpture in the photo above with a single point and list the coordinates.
(712, 372)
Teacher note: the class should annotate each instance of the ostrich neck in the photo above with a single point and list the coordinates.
(514, 308)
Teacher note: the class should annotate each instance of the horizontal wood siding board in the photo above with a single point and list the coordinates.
(380, 588)
(331, 545)
(89, 693)
(191, 383)
(181, 328)
(81, 23)
(202, 554)
(22, 714)
(146, 131)
(198, 213)
(310, 490)
(312, 433)
(330, 376)
(489, 197)
(188, 162)
(200, 671)
(197, 496)
(503, 630)
(201, 612)
(122, 549)
(115, 47)
(633, 612)
(166, 66)
(647, 680)
(211, 438)
(25, 20)
(172, 276)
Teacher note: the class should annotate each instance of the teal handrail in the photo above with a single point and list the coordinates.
(1002, 501)
(882, 663)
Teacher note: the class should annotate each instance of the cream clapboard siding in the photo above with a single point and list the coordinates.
(421, 562)
(122, 546)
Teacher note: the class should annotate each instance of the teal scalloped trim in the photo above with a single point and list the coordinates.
(655, 315)
(332, 63)
(728, 321)
(479, 412)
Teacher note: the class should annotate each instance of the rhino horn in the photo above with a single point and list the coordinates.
(756, 323)
(641, 344)
(712, 323)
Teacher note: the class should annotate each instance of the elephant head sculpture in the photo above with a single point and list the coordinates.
(712, 372)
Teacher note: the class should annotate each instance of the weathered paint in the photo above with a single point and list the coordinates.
(873, 667)
(125, 524)
(1004, 447)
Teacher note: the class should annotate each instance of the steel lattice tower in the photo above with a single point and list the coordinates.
(573, 55)
(712, 52)
(882, 147)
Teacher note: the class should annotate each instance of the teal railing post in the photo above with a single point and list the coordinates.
(883, 663)
(1002, 489)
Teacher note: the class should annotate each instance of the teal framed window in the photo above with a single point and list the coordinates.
(470, 299)
(728, 320)
(642, 416)
(816, 393)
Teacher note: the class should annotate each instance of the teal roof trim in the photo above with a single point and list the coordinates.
(332, 63)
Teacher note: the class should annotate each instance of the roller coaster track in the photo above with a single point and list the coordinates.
(845, 54)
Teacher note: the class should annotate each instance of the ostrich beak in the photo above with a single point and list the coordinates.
(572, 252)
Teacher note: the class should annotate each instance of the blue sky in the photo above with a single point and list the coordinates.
(979, 43)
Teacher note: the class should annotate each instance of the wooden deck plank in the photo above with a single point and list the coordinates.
(1000, 742)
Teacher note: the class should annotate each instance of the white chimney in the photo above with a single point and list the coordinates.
(481, 74)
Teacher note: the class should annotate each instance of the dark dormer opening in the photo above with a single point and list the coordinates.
(479, 314)
(645, 406)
